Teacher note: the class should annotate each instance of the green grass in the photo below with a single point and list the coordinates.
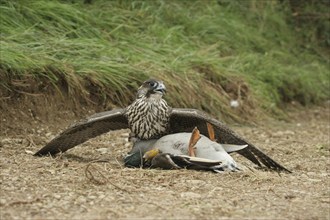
(203, 51)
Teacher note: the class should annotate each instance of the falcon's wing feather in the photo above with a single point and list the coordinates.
(84, 130)
(184, 120)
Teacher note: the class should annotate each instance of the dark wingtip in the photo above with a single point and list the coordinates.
(43, 152)
(38, 154)
(283, 169)
(254, 154)
(277, 167)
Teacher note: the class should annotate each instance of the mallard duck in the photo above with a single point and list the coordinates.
(176, 147)
(149, 117)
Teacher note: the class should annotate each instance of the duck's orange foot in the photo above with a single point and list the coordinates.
(195, 136)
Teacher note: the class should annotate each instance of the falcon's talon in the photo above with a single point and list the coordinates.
(149, 117)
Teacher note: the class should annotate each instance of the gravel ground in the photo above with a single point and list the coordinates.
(79, 184)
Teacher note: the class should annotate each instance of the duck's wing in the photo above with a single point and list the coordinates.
(184, 120)
(84, 130)
(230, 148)
(171, 161)
(200, 161)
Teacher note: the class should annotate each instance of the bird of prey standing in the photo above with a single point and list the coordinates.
(150, 117)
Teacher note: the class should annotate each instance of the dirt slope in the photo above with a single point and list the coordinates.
(72, 186)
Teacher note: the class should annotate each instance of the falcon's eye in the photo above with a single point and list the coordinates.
(152, 84)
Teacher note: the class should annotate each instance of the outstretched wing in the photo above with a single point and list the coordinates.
(84, 130)
(184, 120)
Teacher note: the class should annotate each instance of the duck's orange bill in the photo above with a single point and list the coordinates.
(151, 154)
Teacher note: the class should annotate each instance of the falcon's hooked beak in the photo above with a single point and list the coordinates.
(160, 88)
(152, 87)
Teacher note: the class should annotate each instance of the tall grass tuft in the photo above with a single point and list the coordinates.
(207, 52)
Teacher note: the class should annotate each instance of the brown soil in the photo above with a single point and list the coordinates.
(75, 186)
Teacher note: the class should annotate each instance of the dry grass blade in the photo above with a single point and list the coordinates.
(91, 171)
(95, 175)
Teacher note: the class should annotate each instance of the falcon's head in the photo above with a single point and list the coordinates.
(151, 87)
